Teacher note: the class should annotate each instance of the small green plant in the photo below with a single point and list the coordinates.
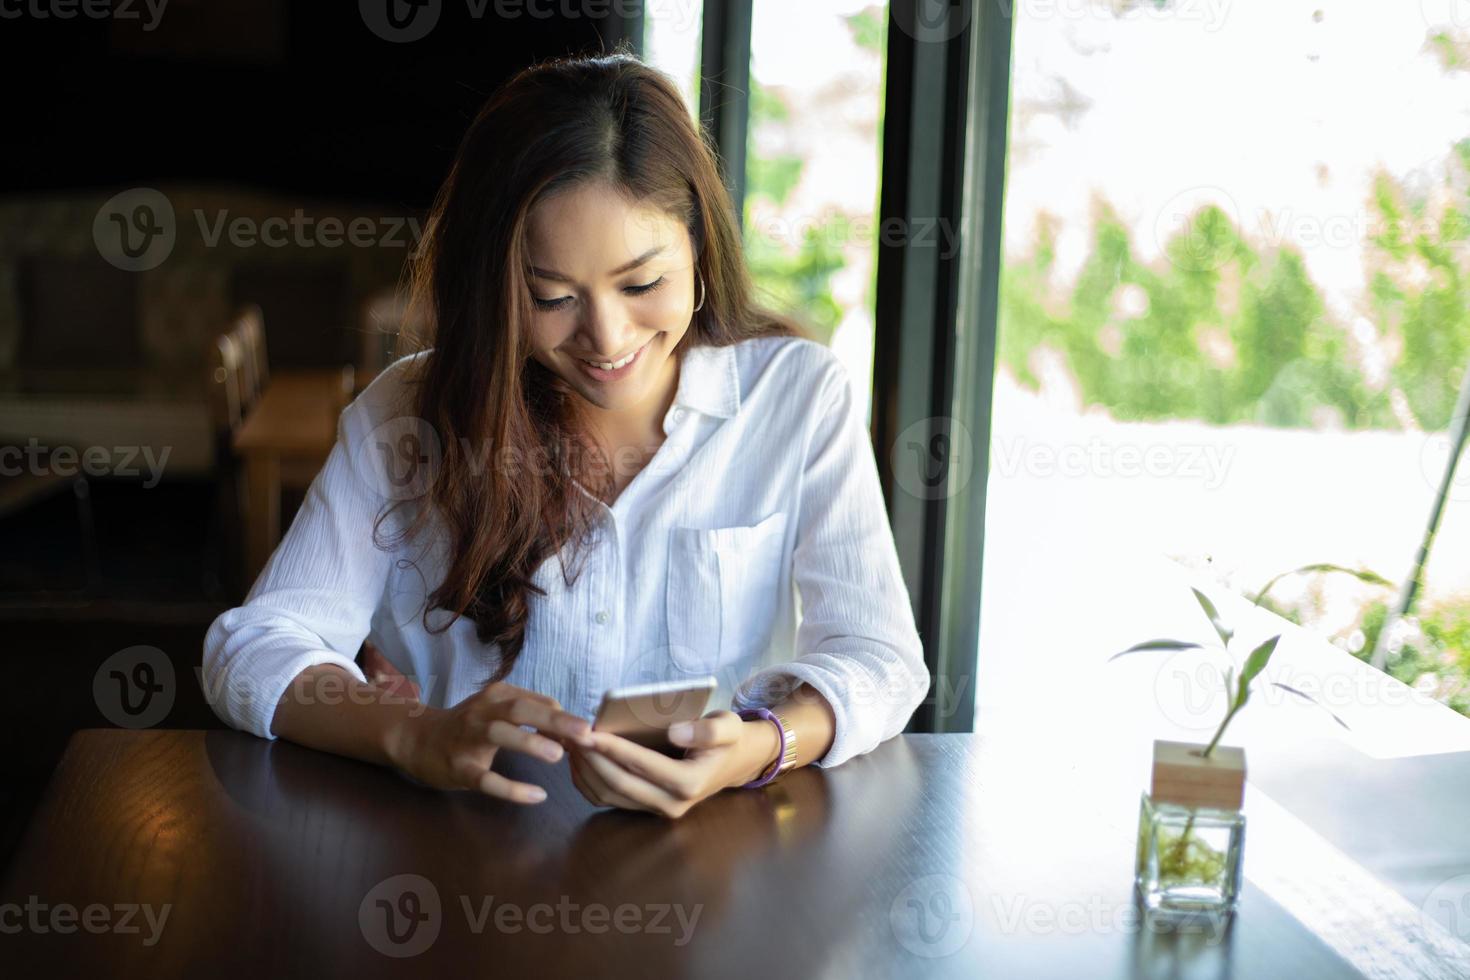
(1187, 858)
(1238, 690)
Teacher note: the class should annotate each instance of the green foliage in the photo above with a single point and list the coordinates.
(770, 177)
(773, 177)
(1221, 630)
(1224, 330)
(869, 29)
(800, 279)
(1238, 689)
(790, 276)
(1434, 650)
(1365, 575)
(765, 105)
(1420, 288)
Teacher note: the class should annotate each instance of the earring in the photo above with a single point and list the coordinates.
(701, 291)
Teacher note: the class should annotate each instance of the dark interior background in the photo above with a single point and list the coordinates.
(296, 99)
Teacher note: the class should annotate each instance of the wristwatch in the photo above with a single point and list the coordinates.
(785, 758)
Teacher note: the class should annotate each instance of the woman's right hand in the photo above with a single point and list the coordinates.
(452, 748)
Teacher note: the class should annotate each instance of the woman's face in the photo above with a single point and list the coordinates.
(609, 280)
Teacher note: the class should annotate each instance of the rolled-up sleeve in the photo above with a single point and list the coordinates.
(857, 643)
(313, 602)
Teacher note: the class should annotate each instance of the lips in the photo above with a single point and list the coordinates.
(610, 365)
(624, 368)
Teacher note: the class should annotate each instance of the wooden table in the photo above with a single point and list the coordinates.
(285, 440)
(933, 856)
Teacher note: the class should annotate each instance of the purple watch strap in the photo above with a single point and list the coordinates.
(751, 714)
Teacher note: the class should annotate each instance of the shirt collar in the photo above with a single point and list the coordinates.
(709, 381)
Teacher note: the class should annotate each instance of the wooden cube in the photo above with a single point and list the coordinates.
(1183, 776)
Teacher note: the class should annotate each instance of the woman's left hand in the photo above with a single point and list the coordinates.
(724, 751)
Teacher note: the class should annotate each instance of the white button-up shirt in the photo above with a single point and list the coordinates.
(754, 546)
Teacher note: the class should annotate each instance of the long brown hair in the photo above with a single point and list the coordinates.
(552, 126)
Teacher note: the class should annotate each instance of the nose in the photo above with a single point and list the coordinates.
(606, 330)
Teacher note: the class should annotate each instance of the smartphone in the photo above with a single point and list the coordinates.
(643, 713)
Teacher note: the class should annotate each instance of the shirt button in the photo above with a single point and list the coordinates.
(602, 617)
(678, 415)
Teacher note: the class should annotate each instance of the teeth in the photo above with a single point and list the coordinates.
(611, 365)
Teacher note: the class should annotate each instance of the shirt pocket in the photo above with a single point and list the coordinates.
(721, 596)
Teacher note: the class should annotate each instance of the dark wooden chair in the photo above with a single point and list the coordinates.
(229, 401)
(248, 332)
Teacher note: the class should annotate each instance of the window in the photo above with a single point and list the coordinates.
(671, 43)
(814, 104)
(1233, 321)
(812, 162)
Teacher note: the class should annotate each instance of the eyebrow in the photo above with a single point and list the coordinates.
(625, 267)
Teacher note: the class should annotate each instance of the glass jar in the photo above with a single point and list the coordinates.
(1189, 857)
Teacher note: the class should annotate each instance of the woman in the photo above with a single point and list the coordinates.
(610, 468)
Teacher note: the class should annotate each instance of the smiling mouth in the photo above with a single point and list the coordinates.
(600, 369)
(613, 365)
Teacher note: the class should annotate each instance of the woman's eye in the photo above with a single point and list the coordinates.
(559, 302)
(647, 287)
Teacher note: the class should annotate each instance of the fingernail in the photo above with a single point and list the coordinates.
(536, 794)
(682, 732)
